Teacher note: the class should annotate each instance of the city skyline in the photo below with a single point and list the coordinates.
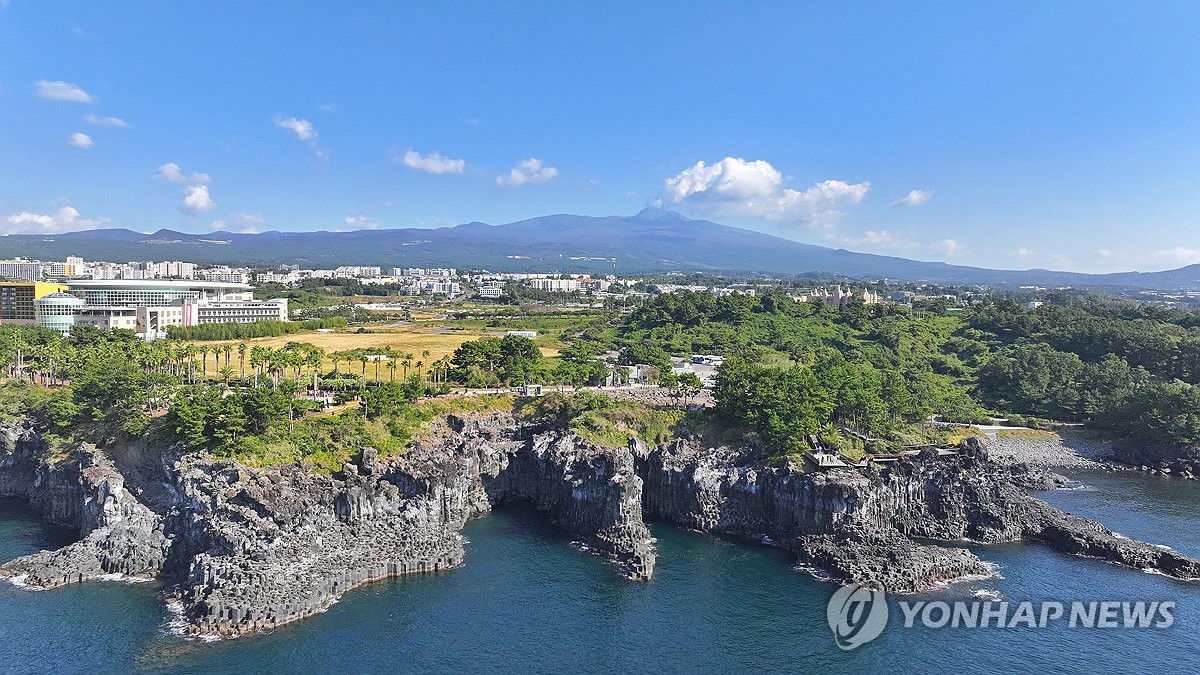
(1004, 136)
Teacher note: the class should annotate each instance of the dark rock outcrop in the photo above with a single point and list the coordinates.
(1177, 461)
(246, 549)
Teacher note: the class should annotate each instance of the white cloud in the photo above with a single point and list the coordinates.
(106, 121)
(80, 140)
(302, 128)
(736, 187)
(196, 200)
(1178, 256)
(328, 107)
(1023, 253)
(66, 219)
(948, 248)
(531, 170)
(361, 222)
(58, 90)
(1104, 253)
(914, 198)
(243, 223)
(875, 239)
(171, 173)
(432, 163)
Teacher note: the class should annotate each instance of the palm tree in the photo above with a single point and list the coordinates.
(378, 358)
(188, 353)
(407, 362)
(203, 349)
(228, 351)
(241, 350)
(226, 372)
(258, 358)
(425, 354)
(391, 366)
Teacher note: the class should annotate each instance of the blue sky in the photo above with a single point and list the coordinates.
(1011, 135)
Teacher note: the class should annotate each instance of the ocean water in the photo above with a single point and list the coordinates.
(530, 601)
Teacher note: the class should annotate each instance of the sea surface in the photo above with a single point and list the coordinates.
(528, 600)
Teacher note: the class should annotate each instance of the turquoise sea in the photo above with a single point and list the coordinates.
(529, 601)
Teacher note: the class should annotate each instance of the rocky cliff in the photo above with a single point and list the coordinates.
(246, 549)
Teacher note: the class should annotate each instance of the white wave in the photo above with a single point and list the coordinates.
(18, 580)
(123, 578)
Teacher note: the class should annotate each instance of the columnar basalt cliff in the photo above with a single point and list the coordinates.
(246, 549)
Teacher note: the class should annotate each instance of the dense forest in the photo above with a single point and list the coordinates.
(794, 369)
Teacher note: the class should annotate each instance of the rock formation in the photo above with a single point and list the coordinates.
(245, 549)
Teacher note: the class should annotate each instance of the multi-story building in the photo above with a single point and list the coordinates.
(450, 289)
(156, 292)
(355, 271)
(149, 307)
(57, 270)
(226, 275)
(195, 313)
(18, 300)
(554, 285)
(491, 289)
(21, 269)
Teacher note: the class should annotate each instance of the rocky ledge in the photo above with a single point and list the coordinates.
(244, 549)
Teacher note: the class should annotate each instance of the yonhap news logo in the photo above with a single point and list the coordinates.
(858, 615)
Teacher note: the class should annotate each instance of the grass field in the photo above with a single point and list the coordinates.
(413, 340)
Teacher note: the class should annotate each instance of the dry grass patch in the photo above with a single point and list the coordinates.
(1027, 434)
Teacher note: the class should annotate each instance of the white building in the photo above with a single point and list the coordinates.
(554, 285)
(355, 271)
(21, 269)
(491, 289)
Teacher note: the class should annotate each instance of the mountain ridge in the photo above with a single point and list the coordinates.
(650, 241)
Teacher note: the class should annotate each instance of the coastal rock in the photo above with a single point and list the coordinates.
(245, 549)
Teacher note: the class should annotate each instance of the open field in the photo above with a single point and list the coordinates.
(408, 339)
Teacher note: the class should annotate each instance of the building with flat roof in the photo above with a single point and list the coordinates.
(157, 292)
(21, 269)
(17, 300)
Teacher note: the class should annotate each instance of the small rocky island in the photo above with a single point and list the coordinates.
(248, 549)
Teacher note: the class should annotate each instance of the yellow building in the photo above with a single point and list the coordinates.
(17, 300)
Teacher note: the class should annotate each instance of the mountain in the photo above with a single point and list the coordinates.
(650, 241)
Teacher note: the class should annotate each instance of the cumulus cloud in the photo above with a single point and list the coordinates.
(734, 186)
(914, 198)
(196, 200)
(434, 162)
(171, 173)
(105, 121)
(301, 127)
(948, 248)
(532, 170)
(1023, 253)
(82, 141)
(66, 219)
(361, 222)
(57, 90)
(243, 223)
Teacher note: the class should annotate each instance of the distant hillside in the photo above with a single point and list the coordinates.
(651, 241)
